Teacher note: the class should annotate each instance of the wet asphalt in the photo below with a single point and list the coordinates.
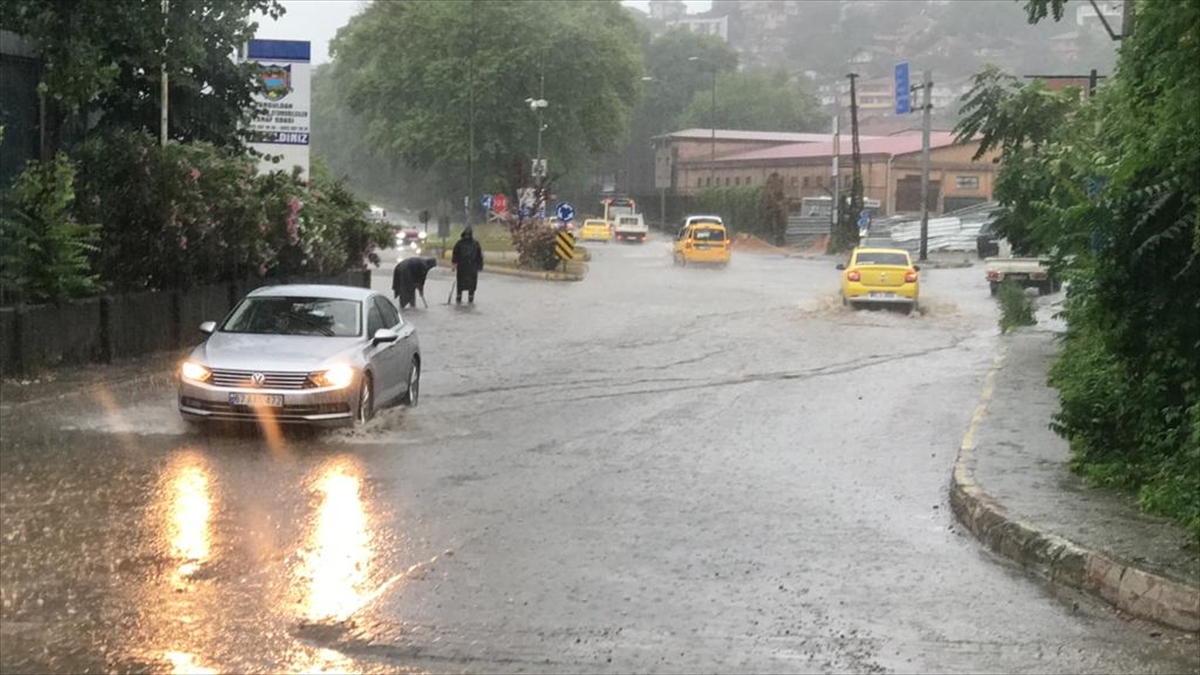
(655, 470)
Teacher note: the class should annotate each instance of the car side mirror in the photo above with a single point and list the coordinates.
(384, 335)
(841, 266)
(208, 327)
(916, 268)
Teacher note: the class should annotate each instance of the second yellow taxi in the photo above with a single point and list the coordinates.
(880, 276)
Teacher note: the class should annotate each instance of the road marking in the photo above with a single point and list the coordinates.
(985, 397)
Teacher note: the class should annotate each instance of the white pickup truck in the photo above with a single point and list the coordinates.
(630, 227)
(1028, 272)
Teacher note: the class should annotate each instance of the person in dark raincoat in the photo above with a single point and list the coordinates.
(468, 261)
(408, 279)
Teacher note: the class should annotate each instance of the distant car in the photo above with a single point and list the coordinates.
(410, 238)
(324, 355)
(987, 243)
(702, 239)
(595, 229)
(880, 276)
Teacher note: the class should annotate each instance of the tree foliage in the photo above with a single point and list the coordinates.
(754, 101)
(413, 66)
(1112, 187)
(105, 57)
(192, 213)
(43, 247)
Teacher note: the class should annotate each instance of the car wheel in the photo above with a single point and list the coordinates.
(994, 287)
(412, 395)
(366, 400)
(845, 302)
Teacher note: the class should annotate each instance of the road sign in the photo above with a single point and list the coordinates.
(864, 220)
(499, 202)
(565, 212)
(423, 216)
(564, 245)
(539, 168)
(525, 212)
(903, 92)
(486, 201)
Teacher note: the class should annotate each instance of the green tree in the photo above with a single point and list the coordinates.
(754, 101)
(1112, 186)
(413, 66)
(105, 57)
(43, 248)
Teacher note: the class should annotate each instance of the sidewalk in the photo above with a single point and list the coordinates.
(1013, 490)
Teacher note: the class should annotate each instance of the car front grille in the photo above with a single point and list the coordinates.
(271, 380)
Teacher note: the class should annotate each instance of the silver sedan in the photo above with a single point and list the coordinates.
(327, 355)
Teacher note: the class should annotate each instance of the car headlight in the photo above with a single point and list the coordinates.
(194, 371)
(339, 377)
(422, 235)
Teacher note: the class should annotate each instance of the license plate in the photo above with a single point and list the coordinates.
(880, 294)
(257, 400)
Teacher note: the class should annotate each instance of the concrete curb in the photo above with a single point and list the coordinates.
(1129, 588)
(532, 274)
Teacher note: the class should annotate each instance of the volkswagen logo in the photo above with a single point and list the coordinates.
(257, 379)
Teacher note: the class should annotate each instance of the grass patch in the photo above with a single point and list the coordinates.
(1016, 310)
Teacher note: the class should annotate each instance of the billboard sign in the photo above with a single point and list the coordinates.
(282, 128)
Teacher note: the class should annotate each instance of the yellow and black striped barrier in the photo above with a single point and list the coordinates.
(564, 246)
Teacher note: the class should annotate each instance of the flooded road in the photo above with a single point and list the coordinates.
(656, 469)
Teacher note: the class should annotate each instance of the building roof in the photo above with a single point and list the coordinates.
(869, 145)
(735, 135)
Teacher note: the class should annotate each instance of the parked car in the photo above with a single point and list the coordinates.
(326, 355)
(987, 243)
(702, 239)
(880, 276)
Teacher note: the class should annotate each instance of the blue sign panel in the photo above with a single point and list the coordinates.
(903, 91)
(566, 212)
(486, 201)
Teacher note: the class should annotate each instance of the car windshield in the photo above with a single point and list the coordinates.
(296, 316)
(707, 234)
(881, 258)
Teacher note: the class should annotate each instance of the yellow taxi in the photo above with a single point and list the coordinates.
(880, 276)
(595, 229)
(702, 239)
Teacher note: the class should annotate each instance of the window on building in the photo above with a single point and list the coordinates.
(708, 182)
(747, 180)
(820, 181)
(699, 182)
(966, 182)
(737, 181)
(796, 181)
(726, 181)
(806, 181)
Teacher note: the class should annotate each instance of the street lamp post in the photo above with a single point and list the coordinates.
(712, 118)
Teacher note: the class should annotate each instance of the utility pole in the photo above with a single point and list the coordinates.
(712, 120)
(162, 132)
(926, 108)
(856, 184)
(836, 212)
(471, 120)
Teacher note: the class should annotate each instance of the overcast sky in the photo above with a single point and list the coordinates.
(319, 20)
